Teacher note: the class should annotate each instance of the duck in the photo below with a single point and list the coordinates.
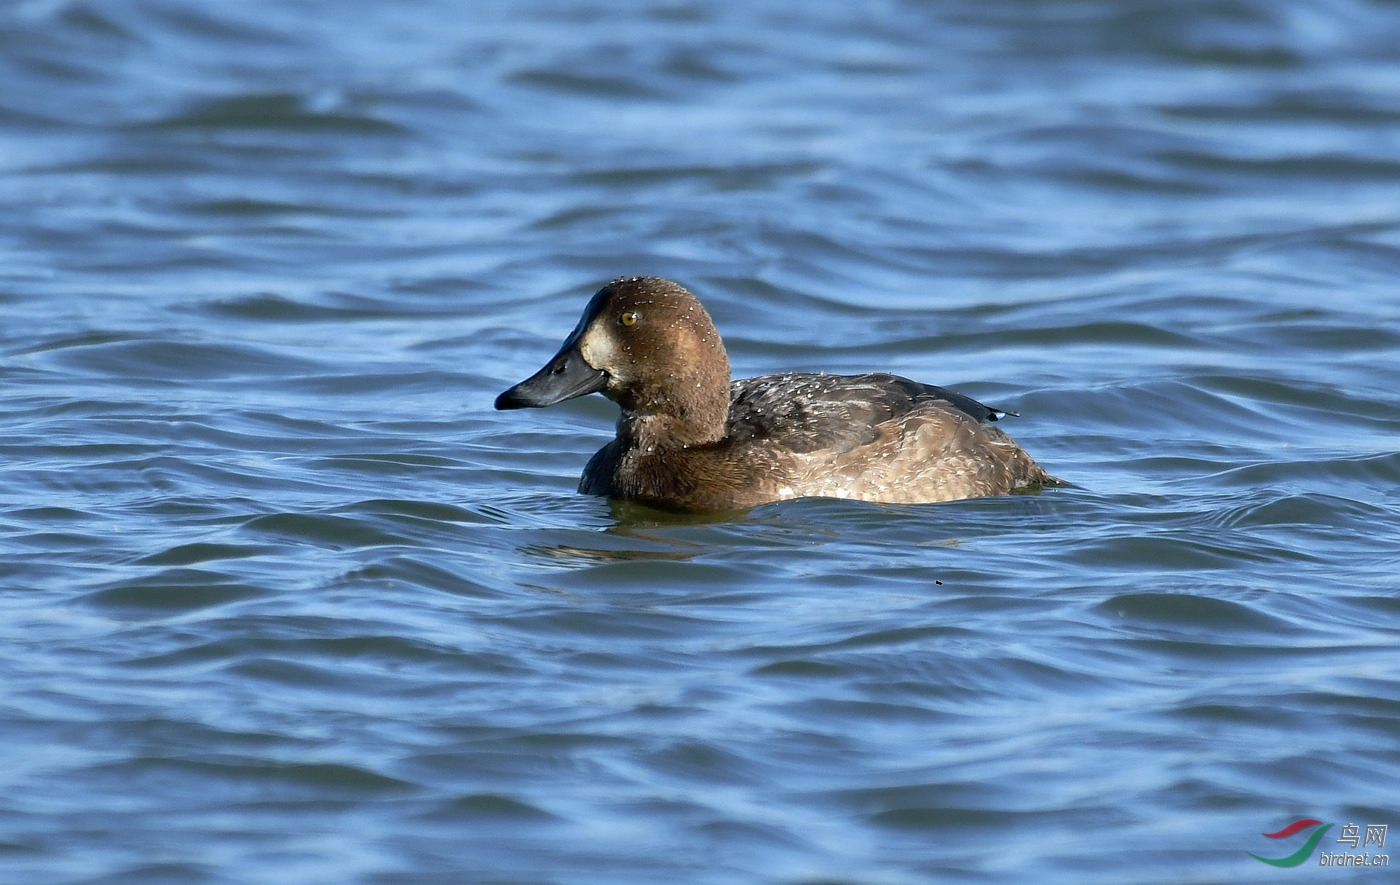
(690, 439)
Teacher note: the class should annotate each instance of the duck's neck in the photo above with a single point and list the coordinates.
(700, 423)
(685, 402)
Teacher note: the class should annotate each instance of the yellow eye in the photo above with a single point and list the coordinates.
(628, 318)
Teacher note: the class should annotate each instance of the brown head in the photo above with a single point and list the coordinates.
(648, 345)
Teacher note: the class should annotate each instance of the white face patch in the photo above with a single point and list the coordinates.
(599, 350)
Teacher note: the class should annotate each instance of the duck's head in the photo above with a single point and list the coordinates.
(648, 345)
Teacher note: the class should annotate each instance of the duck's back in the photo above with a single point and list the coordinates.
(875, 437)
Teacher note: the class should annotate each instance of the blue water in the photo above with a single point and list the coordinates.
(282, 600)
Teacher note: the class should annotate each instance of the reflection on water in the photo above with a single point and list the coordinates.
(647, 548)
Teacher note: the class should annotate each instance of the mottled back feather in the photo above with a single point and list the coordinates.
(805, 412)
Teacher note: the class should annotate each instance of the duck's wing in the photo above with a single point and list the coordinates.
(805, 412)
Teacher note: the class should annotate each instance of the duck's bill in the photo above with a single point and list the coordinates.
(564, 377)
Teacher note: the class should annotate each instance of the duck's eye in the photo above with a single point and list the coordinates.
(628, 318)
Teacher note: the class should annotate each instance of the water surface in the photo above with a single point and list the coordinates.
(285, 601)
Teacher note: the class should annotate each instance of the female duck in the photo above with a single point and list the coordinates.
(690, 440)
